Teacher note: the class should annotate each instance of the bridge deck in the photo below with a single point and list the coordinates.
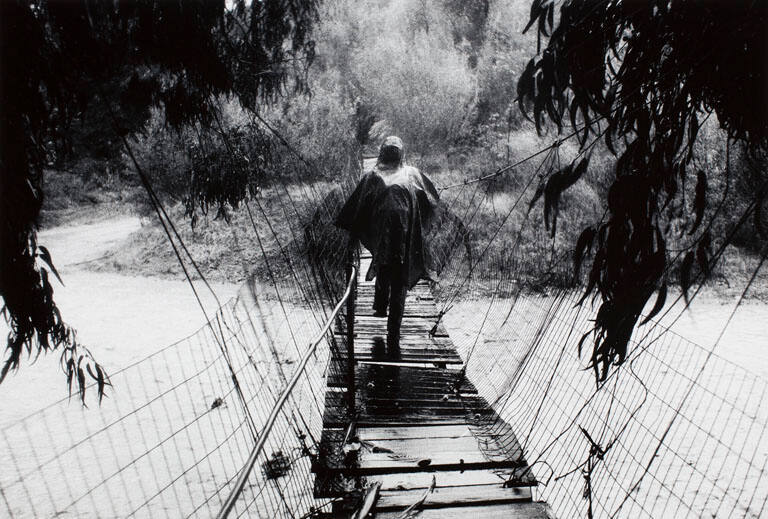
(416, 423)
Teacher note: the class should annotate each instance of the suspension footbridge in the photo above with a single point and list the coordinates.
(286, 404)
(408, 428)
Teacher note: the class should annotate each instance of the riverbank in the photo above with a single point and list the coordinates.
(229, 253)
(120, 318)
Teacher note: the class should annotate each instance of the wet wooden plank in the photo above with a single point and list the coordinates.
(454, 496)
(370, 349)
(379, 398)
(415, 433)
(454, 445)
(424, 394)
(419, 293)
(404, 412)
(368, 287)
(381, 401)
(336, 376)
(407, 356)
(412, 350)
(423, 311)
(405, 353)
(377, 342)
(420, 304)
(334, 483)
(530, 510)
(337, 417)
(408, 333)
(411, 364)
(419, 393)
(495, 443)
(368, 345)
(416, 297)
(423, 324)
(420, 299)
(439, 466)
(369, 339)
(378, 394)
(422, 480)
(446, 380)
(460, 454)
(409, 454)
(437, 380)
(421, 286)
(435, 451)
(410, 325)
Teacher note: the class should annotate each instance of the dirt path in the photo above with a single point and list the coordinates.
(73, 246)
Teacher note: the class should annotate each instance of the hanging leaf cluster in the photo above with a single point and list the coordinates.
(553, 187)
(642, 76)
(225, 168)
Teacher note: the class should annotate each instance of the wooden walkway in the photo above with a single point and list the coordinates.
(417, 430)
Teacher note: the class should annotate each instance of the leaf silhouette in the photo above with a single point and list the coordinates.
(557, 183)
(702, 253)
(537, 195)
(699, 199)
(535, 11)
(661, 298)
(583, 245)
(46, 257)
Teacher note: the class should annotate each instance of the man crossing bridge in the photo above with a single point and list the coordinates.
(390, 212)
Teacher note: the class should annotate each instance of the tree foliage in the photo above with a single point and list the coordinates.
(643, 76)
(70, 62)
(224, 172)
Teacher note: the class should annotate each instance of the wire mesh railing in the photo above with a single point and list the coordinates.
(177, 427)
(675, 431)
(173, 435)
(656, 440)
(279, 408)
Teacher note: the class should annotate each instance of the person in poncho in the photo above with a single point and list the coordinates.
(389, 212)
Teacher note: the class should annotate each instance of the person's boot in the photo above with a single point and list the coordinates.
(378, 349)
(393, 347)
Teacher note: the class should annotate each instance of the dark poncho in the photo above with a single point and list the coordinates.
(389, 212)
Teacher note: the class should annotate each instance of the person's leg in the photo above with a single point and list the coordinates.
(398, 290)
(381, 292)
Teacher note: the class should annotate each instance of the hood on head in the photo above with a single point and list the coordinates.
(391, 151)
